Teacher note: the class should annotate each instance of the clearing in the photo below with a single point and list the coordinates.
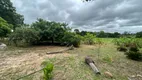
(18, 62)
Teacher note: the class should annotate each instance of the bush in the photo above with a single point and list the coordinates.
(71, 39)
(98, 41)
(134, 49)
(128, 43)
(23, 36)
(134, 55)
(122, 48)
(89, 39)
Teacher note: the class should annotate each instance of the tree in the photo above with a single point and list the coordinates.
(56, 31)
(101, 34)
(8, 12)
(5, 28)
(83, 33)
(86, 0)
(139, 34)
(116, 35)
(76, 31)
(50, 31)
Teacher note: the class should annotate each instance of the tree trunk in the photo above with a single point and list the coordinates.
(52, 40)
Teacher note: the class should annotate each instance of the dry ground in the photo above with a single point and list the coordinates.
(17, 62)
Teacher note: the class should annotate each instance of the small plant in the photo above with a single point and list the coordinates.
(47, 70)
(107, 59)
(98, 41)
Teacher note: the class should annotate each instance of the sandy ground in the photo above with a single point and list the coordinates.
(27, 62)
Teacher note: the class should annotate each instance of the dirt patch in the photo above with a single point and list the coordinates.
(27, 62)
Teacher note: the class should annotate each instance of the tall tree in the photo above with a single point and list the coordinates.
(8, 12)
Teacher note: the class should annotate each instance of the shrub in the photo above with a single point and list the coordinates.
(71, 39)
(89, 39)
(134, 55)
(98, 41)
(122, 48)
(23, 36)
(134, 49)
(130, 43)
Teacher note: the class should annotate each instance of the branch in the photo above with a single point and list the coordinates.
(61, 51)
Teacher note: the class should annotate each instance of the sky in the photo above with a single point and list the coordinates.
(96, 15)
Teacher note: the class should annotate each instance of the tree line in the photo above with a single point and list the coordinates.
(103, 34)
(12, 28)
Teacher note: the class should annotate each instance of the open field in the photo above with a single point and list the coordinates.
(17, 62)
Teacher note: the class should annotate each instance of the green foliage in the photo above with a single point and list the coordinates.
(101, 34)
(5, 28)
(89, 39)
(23, 36)
(77, 31)
(8, 12)
(122, 48)
(128, 42)
(131, 45)
(98, 41)
(50, 31)
(139, 34)
(47, 70)
(134, 55)
(71, 39)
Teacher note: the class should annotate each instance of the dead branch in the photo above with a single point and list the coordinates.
(61, 51)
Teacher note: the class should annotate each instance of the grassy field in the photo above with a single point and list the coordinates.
(18, 62)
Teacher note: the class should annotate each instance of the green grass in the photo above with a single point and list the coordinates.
(73, 67)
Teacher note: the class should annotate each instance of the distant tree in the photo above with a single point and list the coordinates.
(8, 12)
(77, 31)
(116, 35)
(86, 0)
(83, 33)
(5, 28)
(101, 34)
(139, 34)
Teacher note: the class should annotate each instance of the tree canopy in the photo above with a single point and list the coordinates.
(8, 12)
(5, 28)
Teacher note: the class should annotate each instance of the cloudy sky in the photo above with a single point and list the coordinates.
(106, 15)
